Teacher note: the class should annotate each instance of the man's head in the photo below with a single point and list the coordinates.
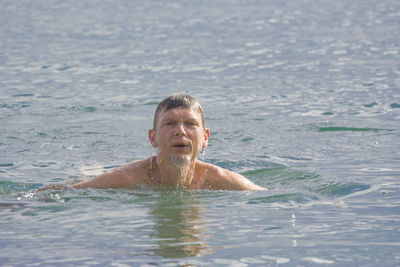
(179, 131)
(178, 101)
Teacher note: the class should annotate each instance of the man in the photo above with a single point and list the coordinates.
(179, 134)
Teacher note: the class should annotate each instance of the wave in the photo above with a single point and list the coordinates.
(286, 185)
(296, 186)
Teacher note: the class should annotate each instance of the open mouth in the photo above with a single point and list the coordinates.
(180, 145)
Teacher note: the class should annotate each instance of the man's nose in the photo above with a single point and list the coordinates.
(180, 129)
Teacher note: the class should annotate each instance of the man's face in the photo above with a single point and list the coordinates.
(179, 134)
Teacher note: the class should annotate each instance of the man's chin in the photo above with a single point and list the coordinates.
(181, 161)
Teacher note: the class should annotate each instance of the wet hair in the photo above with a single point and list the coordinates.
(178, 101)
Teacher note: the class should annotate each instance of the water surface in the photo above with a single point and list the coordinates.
(301, 97)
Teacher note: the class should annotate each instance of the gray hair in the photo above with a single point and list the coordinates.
(178, 101)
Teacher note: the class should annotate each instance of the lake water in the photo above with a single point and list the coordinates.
(301, 97)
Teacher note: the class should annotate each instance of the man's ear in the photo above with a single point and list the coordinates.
(206, 137)
(152, 138)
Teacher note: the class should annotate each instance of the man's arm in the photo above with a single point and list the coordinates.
(124, 176)
(113, 179)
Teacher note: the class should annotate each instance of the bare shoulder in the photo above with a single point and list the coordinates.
(137, 166)
(222, 179)
(129, 174)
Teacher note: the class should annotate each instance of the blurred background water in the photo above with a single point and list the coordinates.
(300, 96)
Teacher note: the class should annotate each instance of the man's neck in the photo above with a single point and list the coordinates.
(169, 173)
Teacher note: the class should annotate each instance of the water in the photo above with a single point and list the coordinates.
(300, 96)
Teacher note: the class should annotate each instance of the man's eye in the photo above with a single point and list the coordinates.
(168, 123)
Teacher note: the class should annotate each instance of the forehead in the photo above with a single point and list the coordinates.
(179, 113)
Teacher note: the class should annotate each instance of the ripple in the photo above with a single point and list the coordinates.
(341, 189)
(370, 105)
(318, 260)
(295, 197)
(395, 105)
(351, 129)
(83, 108)
(11, 188)
(6, 164)
(23, 95)
(11, 206)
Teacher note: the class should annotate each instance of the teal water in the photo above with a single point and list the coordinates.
(300, 97)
